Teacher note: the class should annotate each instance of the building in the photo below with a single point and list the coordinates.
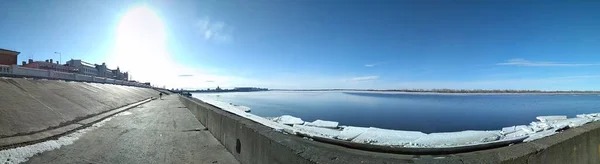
(102, 70)
(8, 57)
(249, 89)
(120, 75)
(49, 65)
(82, 67)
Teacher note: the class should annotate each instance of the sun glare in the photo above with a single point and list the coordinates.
(141, 44)
(141, 48)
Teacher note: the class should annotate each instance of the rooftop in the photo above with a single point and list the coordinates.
(15, 52)
(87, 64)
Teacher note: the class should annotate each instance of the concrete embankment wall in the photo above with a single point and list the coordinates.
(28, 105)
(253, 143)
(19, 72)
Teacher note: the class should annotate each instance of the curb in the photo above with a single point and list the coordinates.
(16, 141)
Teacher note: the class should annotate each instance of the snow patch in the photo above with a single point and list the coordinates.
(576, 122)
(512, 129)
(351, 132)
(516, 134)
(22, 154)
(539, 135)
(125, 113)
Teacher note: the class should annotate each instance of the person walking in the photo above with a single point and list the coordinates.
(160, 95)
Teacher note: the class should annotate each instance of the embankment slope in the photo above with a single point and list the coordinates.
(28, 105)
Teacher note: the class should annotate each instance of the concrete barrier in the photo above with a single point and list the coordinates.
(253, 143)
(28, 105)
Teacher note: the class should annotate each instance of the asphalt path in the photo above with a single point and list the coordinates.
(160, 131)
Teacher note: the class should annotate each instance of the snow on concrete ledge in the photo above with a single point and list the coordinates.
(457, 138)
(350, 132)
(378, 136)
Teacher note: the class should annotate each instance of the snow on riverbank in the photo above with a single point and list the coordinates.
(546, 126)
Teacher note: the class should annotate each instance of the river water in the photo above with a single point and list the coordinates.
(409, 111)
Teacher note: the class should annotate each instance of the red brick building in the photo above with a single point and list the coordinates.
(8, 57)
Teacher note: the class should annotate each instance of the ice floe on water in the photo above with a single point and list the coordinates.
(288, 120)
(546, 126)
(550, 118)
(323, 124)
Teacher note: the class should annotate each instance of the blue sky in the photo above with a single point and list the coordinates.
(320, 44)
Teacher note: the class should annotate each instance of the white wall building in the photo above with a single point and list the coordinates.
(83, 67)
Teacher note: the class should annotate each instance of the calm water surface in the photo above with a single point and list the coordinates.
(421, 112)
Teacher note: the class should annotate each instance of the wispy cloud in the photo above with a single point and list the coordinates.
(523, 62)
(543, 83)
(365, 78)
(215, 30)
(185, 75)
(373, 64)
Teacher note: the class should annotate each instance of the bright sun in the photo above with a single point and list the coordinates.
(141, 44)
(141, 48)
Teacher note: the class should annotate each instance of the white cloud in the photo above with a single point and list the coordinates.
(373, 64)
(523, 62)
(365, 78)
(215, 30)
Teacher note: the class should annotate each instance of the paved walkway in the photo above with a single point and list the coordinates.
(160, 131)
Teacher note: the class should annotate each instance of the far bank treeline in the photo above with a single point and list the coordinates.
(446, 90)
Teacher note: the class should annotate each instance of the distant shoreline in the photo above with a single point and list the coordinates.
(448, 91)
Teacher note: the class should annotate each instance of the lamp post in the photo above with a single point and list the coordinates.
(59, 57)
